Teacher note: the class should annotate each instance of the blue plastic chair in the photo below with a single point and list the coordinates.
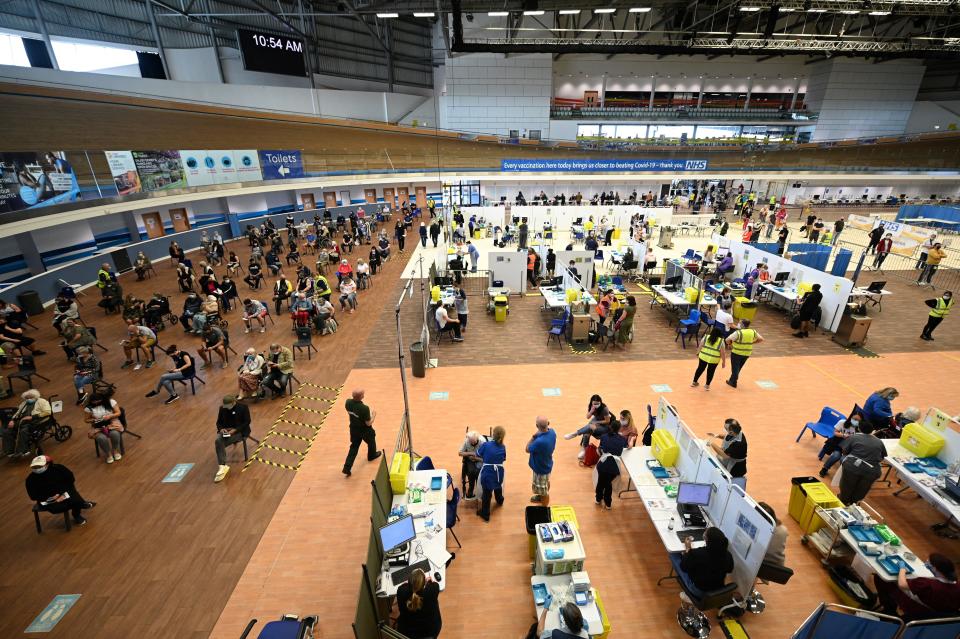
(598, 256)
(617, 281)
(557, 327)
(686, 325)
(688, 255)
(829, 417)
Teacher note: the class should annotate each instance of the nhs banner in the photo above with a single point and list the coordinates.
(579, 165)
(281, 165)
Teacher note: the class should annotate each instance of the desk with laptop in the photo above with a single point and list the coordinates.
(873, 293)
(672, 297)
(415, 535)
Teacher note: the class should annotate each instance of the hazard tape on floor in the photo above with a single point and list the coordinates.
(278, 430)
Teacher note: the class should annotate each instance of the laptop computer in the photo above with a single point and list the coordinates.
(690, 501)
(876, 287)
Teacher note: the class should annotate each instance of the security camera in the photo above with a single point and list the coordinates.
(469, 17)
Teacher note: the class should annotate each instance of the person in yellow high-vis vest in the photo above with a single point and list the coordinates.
(741, 343)
(940, 308)
(713, 351)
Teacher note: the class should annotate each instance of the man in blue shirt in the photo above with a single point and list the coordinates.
(541, 447)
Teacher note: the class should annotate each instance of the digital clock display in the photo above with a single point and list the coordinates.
(272, 53)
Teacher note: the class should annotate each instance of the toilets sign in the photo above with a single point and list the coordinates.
(608, 166)
(281, 165)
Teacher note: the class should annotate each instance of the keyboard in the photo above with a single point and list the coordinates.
(400, 576)
(696, 533)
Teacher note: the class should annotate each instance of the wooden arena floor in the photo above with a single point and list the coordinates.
(160, 559)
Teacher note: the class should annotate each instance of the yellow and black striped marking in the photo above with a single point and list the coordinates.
(303, 431)
(581, 349)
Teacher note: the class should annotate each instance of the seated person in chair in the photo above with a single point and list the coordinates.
(301, 309)
(254, 310)
(74, 336)
(279, 369)
(776, 550)
(214, 341)
(64, 308)
(31, 415)
(249, 373)
(706, 568)
(209, 312)
(103, 415)
(446, 323)
(157, 306)
(133, 309)
(138, 337)
(233, 426)
(141, 265)
(54, 489)
(324, 313)
(254, 276)
(273, 262)
(571, 619)
(724, 266)
(228, 293)
(183, 368)
(191, 306)
(86, 371)
(922, 597)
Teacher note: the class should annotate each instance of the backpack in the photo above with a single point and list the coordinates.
(591, 456)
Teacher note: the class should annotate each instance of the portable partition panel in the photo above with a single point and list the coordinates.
(510, 267)
(830, 621)
(563, 217)
(749, 531)
(378, 516)
(365, 621)
(944, 425)
(691, 452)
(836, 290)
(711, 472)
(381, 485)
(667, 417)
(932, 629)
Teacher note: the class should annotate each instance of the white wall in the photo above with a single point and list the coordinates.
(856, 98)
(490, 93)
(930, 116)
(574, 74)
(381, 107)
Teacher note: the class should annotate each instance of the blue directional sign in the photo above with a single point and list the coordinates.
(53, 613)
(176, 475)
(281, 165)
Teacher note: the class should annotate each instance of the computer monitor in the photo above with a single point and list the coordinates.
(396, 533)
(673, 282)
(876, 287)
(781, 277)
(694, 494)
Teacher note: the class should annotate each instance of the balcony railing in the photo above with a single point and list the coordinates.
(681, 113)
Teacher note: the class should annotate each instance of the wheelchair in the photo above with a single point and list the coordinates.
(288, 627)
(43, 431)
(156, 320)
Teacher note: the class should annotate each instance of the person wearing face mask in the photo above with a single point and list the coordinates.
(30, 415)
(732, 451)
(863, 453)
(940, 308)
(922, 597)
(191, 306)
(877, 409)
(248, 374)
(53, 487)
(831, 447)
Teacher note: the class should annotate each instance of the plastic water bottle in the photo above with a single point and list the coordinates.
(670, 525)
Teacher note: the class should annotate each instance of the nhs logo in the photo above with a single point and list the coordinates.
(695, 165)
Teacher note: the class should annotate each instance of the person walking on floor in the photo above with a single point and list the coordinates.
(400, 232)
(883, 250)
(939, 309)
(611, 447)
(493, 454)
(423, 234)
(712, 352)
(875, 235)
(361, 430)
(741, 343)
(541, 447)
(934, 256)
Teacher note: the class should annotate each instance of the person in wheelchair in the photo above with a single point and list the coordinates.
(209, 314)
(155, 310)
(214, 341)
(301, 309)
(254, 276)
(323, 315)
(133, 309)
(26, 424)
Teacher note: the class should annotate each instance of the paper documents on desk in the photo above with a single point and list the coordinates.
(658, 504)
(437, 555)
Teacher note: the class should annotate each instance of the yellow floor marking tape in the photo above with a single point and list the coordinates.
(836, 379)
(281, 419)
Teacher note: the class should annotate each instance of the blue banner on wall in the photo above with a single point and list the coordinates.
(281, 165)
(602, 165)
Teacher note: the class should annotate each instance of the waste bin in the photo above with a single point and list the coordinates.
(500, 308)
(30, 302)
(850, 588)
(744, 308)
(818, 494)
(535, 515)
(418, 360)
(798, 496)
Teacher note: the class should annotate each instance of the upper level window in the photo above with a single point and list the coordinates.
(12, 51)
(76, 56)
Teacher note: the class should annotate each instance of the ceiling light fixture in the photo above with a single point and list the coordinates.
(850, 12)
(879, 13)
(533, 13)
(816, 10)
(568, 12)
(749, 9)
(498, 14)
(388, 15)
(429, 14)
(641, 9)
(608, 10)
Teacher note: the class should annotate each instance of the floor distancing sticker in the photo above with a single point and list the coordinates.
(281, 446)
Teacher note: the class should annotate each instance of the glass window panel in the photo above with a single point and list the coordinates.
(74, 56)
(12, 51)
(588, 130)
